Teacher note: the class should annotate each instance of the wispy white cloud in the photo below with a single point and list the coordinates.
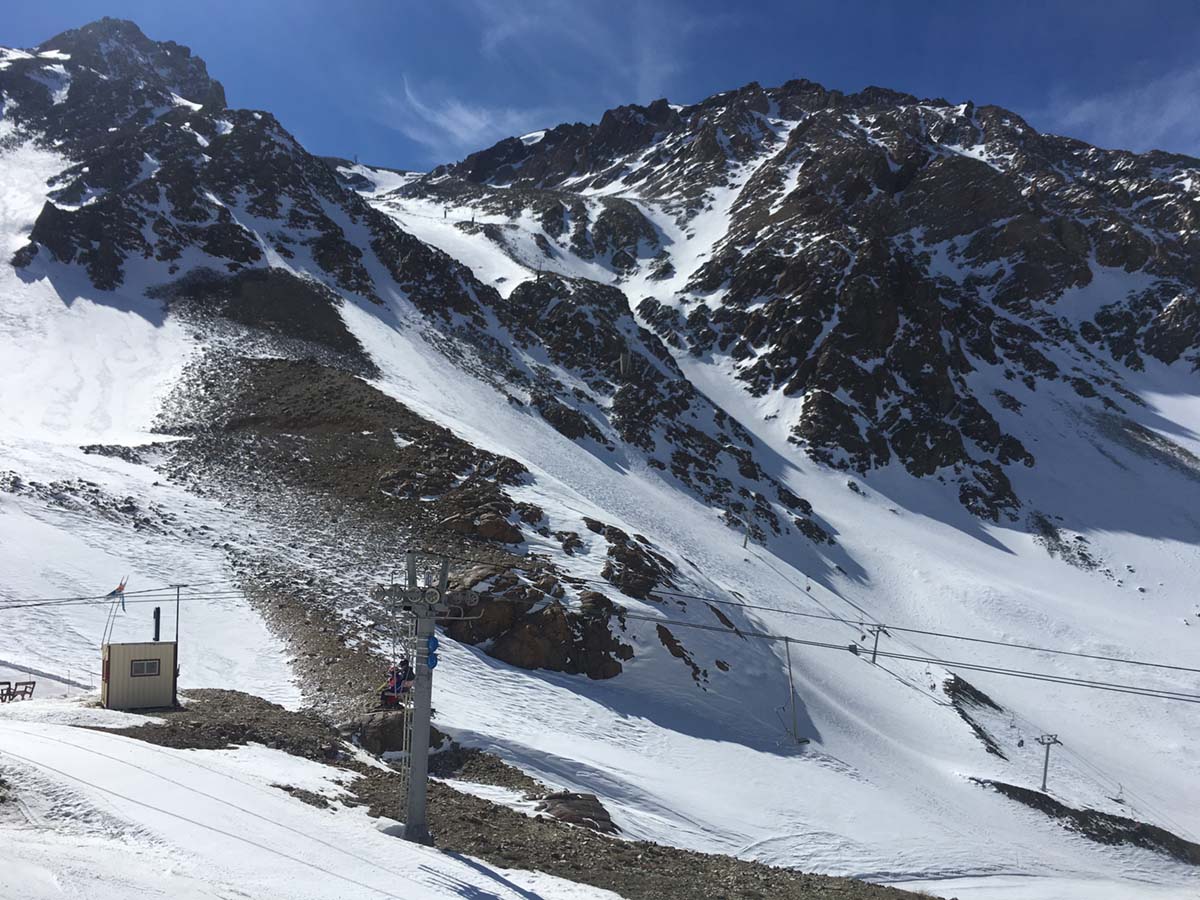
(630, 52)
(639, 46)
(448, 126)
(1162, 113)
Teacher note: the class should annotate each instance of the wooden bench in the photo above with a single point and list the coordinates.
(22, 690)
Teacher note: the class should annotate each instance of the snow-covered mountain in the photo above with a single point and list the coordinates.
(938, 371)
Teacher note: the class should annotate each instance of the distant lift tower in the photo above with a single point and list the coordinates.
(1047, 741)
(418, 609)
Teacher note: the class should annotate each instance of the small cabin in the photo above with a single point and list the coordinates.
(138, 676)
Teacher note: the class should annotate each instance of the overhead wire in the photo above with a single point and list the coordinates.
(267, 848)
(168, 592)
(160, 595)
(97, 601)
(888, 626)
(1116, 687)
(162, 589)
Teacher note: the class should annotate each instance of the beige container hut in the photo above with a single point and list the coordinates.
(138, 676)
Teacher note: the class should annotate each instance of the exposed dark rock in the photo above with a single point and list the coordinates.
(494, 527)
(1102, 827)
(271, 299)
(118, 451)
(304, 796)
(966, 697)
(323, 430)
(1075, 550)
(584, 810)
(214, 719)
(633, 565)
(376, 732)
(568, 422)
(550, 638)
(676, 649)
(495, 618)
(570, 541)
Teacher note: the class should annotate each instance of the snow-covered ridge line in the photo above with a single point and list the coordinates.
(812, 295)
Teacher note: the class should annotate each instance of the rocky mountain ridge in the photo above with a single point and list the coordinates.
(219, 218)
(871, 256)
(666, 389)
(199, 197)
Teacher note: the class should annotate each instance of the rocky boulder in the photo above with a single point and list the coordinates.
(376, 732)
(561, 641)
(541, 640)
(584, 810)
(491, 526)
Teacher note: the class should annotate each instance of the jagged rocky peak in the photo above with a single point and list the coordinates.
(875, 258)
(117, 48)
(162, 180)
(631, 142)
(89, 86)
(626, 146)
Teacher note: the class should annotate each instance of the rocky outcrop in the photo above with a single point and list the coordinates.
(881, 251)
(633, 565)
(584, 810)
(966, 699)
(1102, 827)
(677, 650)
(550, 638)
(488, 524)
(377, 732)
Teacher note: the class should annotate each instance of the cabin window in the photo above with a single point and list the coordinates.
(141, 668)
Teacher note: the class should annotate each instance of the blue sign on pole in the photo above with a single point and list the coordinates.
(432, 659)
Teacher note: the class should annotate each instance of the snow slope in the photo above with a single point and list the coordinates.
(105, 817)
(883, 790)
(80, 367)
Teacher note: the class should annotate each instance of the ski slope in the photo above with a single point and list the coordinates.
(105, 817)
(882, 790)
(81, 367)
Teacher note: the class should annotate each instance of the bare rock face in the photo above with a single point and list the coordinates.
(677, 650)
(377, 732)
(551, 638)
(584, 810)
(495, 618)
(542, 640)
(493, 527)
(633, 564)
(882, 253)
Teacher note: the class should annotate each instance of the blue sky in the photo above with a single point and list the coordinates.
(411, 83)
